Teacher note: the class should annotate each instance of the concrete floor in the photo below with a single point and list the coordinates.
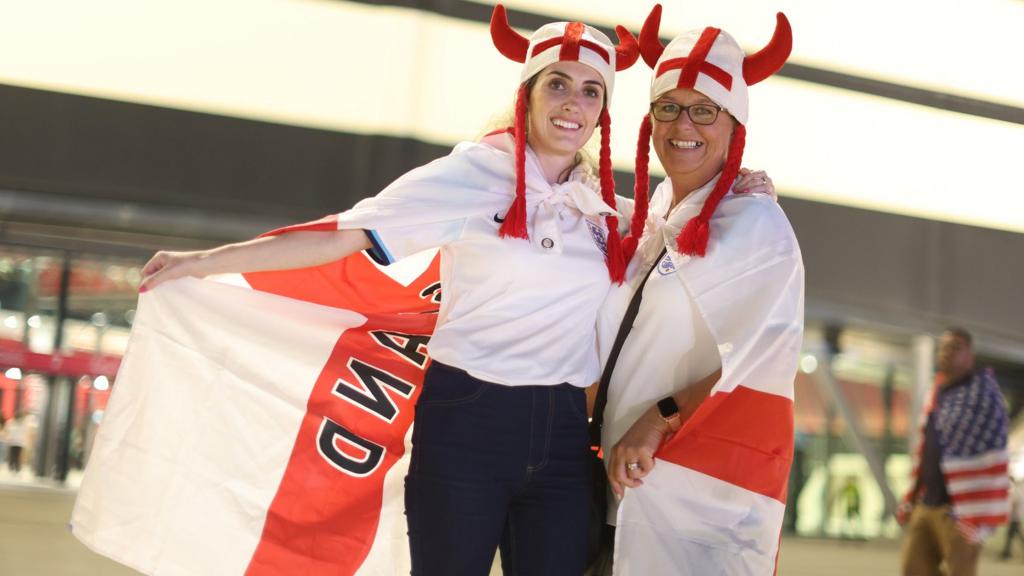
(35, 541)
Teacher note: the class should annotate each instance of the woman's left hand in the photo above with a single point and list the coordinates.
(632, 457)
(755, 181)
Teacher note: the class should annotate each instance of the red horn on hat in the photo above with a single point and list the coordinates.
(769, 59)
(650, 45)
(627, 50)
(509, 42)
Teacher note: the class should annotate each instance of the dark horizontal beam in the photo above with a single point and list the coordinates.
(904, 93)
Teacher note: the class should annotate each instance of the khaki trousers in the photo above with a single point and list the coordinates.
(931, 542)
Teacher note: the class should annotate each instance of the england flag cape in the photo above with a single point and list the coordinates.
(714, 502)
(261, 426)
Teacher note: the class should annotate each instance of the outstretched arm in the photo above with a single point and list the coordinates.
(299, 249)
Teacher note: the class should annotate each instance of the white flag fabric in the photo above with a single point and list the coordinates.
(714, 502)
(251, 433)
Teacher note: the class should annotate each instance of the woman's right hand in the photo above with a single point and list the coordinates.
(164, 266)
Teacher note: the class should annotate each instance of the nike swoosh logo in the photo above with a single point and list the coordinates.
(498, 220)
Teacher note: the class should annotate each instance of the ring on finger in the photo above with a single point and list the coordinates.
(631, 466)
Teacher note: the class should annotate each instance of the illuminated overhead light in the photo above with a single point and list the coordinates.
(99, 320)
(101, 383)
(13, 373)
(11, 322)
(808, 363)
(35, 321)
(129, 317)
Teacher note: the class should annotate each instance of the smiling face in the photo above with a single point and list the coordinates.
(691, 153)
(565, 103)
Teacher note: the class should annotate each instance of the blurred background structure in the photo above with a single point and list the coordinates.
(893, 136)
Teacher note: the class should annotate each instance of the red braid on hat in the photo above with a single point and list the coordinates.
(641, 190)
(693, 240)
(515, 219)
(614, 260)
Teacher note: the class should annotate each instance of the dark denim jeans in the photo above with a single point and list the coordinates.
(497, 464)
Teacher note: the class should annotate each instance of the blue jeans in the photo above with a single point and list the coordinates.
(497, 464)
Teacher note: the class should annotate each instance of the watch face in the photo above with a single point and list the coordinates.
(668, 407)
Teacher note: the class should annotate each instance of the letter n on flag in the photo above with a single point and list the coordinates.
(262, 429)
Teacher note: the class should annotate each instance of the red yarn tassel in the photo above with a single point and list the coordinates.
(616, 265)
(641, 190)
(614, 261)
(693, 239)
(515, 219)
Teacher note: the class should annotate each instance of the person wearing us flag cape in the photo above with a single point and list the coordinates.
(960, 489)
(698, 425)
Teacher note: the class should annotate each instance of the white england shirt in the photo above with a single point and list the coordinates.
(513, 311)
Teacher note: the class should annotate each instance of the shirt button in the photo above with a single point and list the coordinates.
(547, 243)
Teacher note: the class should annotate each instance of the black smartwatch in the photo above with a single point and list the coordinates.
(669, 412)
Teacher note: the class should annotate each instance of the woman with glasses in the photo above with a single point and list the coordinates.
(702, 344)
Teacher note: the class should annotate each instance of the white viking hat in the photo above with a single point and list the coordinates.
(712, 63)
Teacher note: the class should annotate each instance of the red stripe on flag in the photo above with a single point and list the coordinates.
(323, 520)
(964, 497)
(353, 283)
(995, 469)
(992, 520)
(744, 437)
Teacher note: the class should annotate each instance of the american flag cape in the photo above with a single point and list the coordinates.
(714, 502)
(263, 429)
(972, 427)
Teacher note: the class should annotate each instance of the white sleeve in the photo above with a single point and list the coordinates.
(393, 244)
(428, 207)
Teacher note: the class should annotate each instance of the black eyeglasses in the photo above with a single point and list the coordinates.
(668, 111)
